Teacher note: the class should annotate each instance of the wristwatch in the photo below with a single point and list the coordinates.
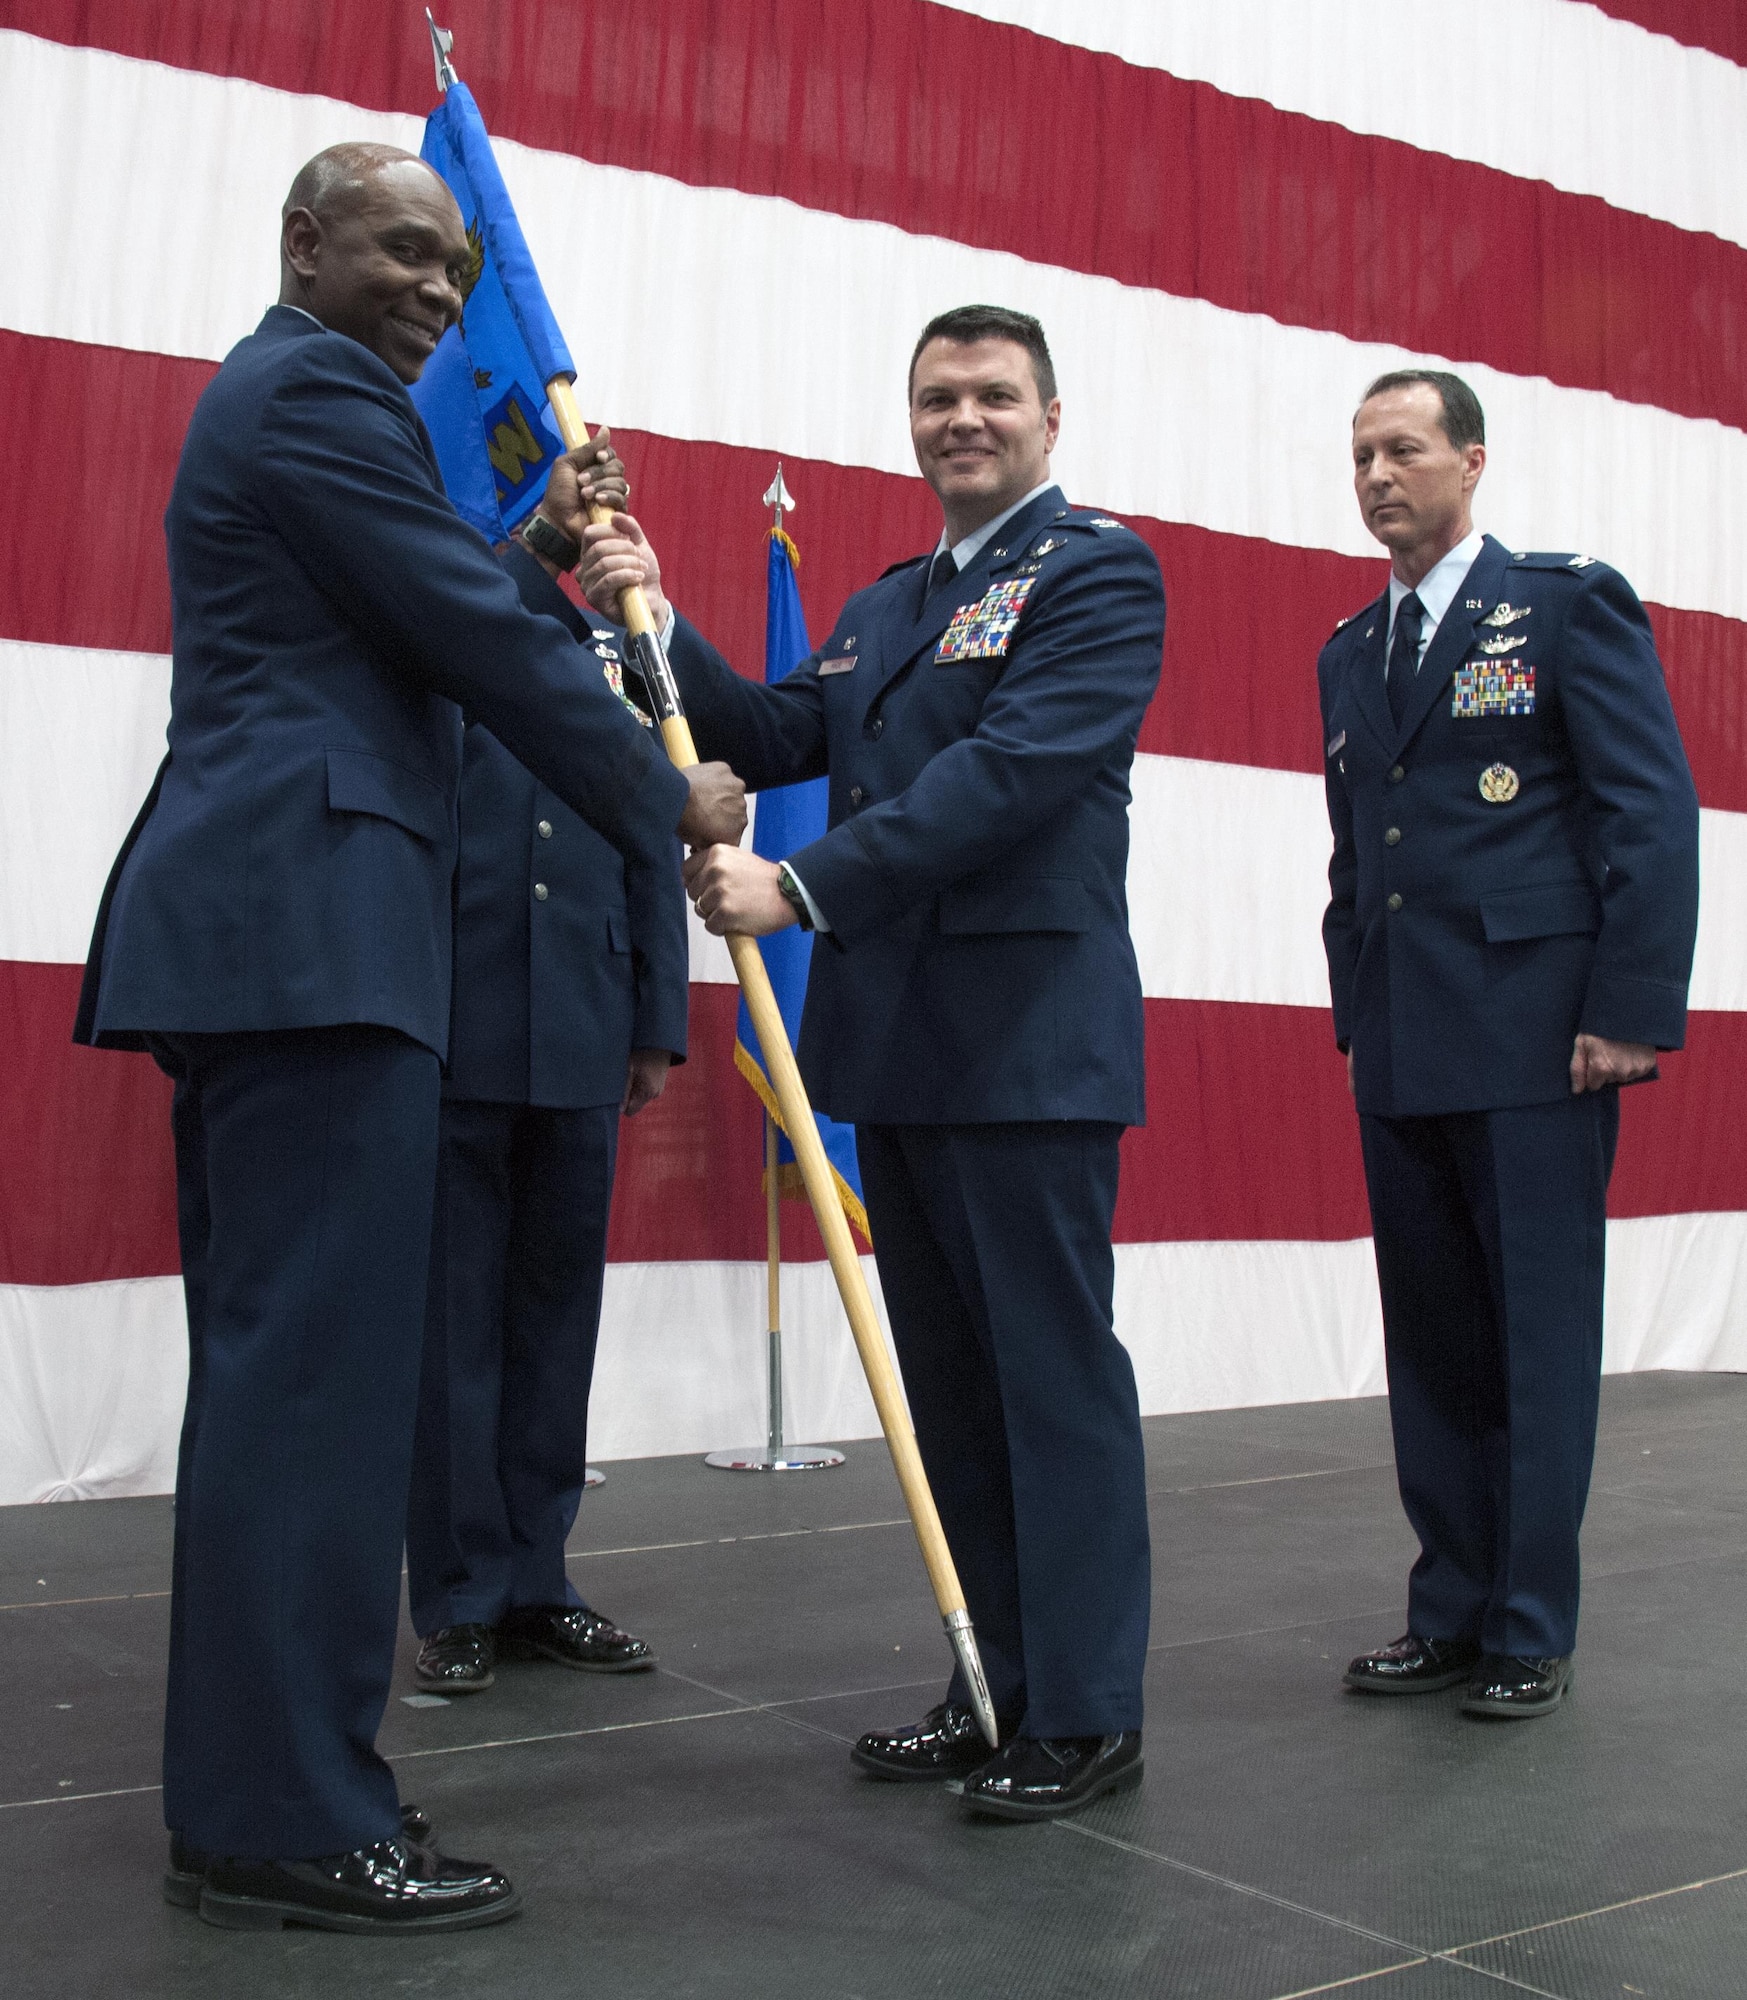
(791, 893)
(547, 539)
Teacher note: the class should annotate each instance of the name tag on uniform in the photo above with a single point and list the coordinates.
(841, 665)
(984, 630)
(1338, 745)
(1492, 687)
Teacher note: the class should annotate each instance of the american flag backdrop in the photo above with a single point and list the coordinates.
(1228, 216)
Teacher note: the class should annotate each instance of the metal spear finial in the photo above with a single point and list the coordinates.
(442, 41)
(778, 498)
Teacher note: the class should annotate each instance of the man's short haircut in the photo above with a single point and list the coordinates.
(967, 323)
(1463, 420)
(338, 179)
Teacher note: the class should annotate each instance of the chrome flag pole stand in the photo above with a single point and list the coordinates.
(775, 1456)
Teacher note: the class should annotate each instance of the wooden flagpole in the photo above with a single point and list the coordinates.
(797, 1116)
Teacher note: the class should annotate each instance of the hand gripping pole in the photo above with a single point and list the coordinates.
(646, 653)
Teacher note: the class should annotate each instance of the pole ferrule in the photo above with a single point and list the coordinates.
(964, 1644)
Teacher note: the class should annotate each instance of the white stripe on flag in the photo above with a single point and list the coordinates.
(81, 733)
(91, 1375)
(1542, 89)
(1226, 882)
(138, 222)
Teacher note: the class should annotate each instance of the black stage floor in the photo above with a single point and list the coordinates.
(699, 1831)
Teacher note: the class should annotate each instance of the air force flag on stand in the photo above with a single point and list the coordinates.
(786, 819)
(483, 393)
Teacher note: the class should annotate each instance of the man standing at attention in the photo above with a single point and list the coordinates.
(977, 1014)
(276, 931)
(1513, 903)
(570, 1003)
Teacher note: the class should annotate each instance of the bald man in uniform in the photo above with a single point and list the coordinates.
(277, 932)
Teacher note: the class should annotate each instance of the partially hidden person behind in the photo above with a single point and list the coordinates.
(1513, 901)
(975, 1010)
(571, 988)
(276, 931)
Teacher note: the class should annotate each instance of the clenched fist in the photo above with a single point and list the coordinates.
(716, 811)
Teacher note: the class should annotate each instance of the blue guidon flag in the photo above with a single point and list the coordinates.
(787, 818)
(483, 393)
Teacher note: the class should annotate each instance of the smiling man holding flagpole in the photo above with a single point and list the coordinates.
(974, 1009)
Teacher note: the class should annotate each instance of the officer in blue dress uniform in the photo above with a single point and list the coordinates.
(276, 930)
(1513, 904)
(570, 1001)
(976, 1012)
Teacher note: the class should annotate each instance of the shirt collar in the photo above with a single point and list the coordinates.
(1439, 585)
(966, 552)
(286, 306)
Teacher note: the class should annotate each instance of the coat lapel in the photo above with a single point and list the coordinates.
(1369, 695)
(1450, 643)
(922, 629)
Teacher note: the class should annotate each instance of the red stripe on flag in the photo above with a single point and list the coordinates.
(1717, 25)
(87, 1182)
(925, 117)
(1251, 1137)
(1247, 618)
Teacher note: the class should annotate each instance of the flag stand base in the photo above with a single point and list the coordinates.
(783, 1458)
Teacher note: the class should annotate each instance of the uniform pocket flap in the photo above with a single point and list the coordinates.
(1547, 909)
(618, 931)
(361, 783)
(1033, 903)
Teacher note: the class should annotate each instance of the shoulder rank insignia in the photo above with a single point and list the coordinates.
(1047, 546)
(1580, 562)
(1499, 784)
(1502, 644)
(1506, 614)
(1492, 687)
(1342, 623)
(984, 630)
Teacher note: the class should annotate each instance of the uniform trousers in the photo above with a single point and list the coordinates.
(305, 1162)
(1491, 1234)
(518, 1257)
(993, 1245)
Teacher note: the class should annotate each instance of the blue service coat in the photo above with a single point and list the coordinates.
(974, 870)
(333, 618)
(567, 956)
(1471, 938)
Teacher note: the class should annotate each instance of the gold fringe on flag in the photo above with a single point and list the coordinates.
(789, 1174)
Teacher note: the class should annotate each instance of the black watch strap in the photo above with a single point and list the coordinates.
(547, 539)
(791, 891)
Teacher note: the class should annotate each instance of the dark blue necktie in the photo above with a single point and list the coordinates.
(1404, 653)
(943, 571)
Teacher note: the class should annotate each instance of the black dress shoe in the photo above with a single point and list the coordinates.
(574, 1637)
(457, 1660)
(946, 1743)
(1038, 1777)
(393, 1886)
(1510, 1685)
(1413, 1666)
(186, 1874)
